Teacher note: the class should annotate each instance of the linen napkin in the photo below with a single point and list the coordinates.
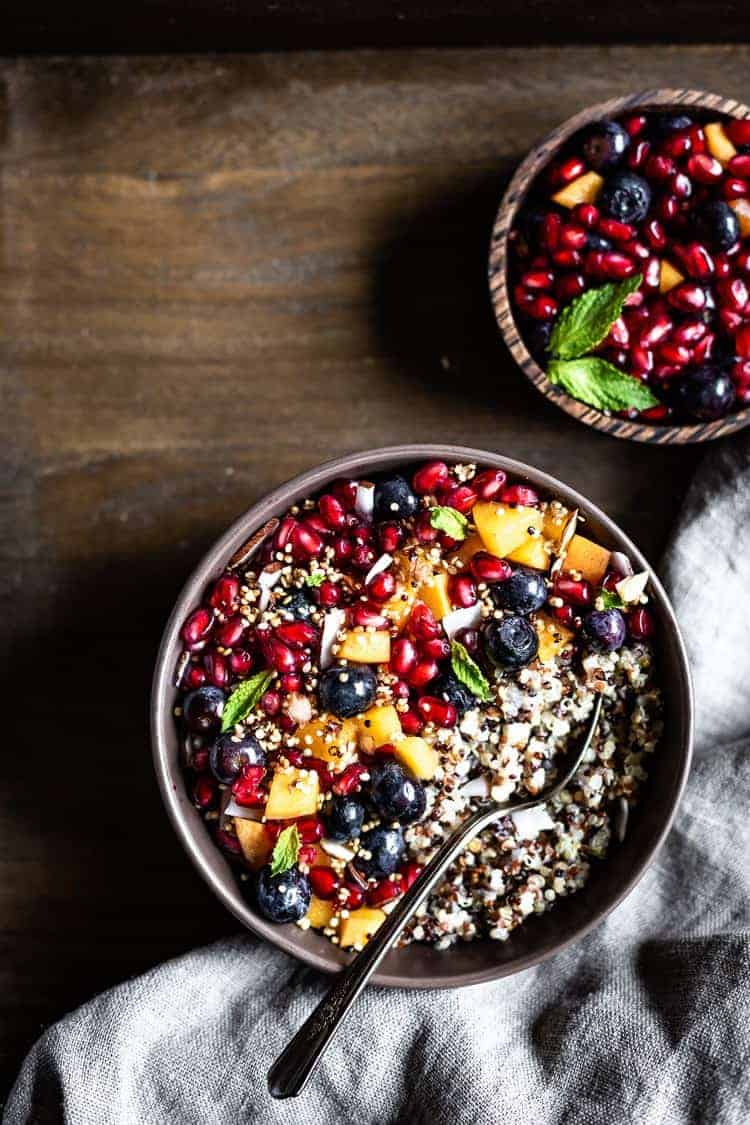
(646, 1020)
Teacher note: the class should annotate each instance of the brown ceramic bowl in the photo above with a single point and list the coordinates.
(537, 160)
(420, 966)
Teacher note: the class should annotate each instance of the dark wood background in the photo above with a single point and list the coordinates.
(215, 273)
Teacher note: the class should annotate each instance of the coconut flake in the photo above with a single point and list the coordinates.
(631, 588)
(332, 623)
(621, 564)
(529, 823)
(267, 579)
(459, 619)
(299, 708)
(381, 564)
(364, 501)
(477, 787)
(233, 809)
(338, 851)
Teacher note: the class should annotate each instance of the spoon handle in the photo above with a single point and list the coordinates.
(295, 1065)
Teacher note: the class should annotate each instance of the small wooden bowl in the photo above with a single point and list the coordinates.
(525, 177)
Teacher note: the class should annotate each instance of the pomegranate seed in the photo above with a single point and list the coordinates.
(659, 167)
(538, 279)
(298, 634)
(488, 568)
(543, 308)
(368, 616)
(568, 171)
(564, 614)
(284, 533)
(423, 672)
(290, 681)
(706, 169)
(742, 394)
(641, 624)
(677, 145)
(332, 512)
(278, 655)
(651, 274)
(667, 208)
(489, 483)
(616, 265)
(722, 266)
(306, 542)
(618, 333)
(738, 131)
(403, 656)
(425, 532)
(463, 592)
(636, 250)
(391, 537)
(217, 669)
(270, 703)
(355, 896)
(550, 231)
(345, 492)
(247, 789)
(307, 854)
(742, 260)
(655, 234)
(521, 495)
(687, 297)
(610, 581)
(522, 297)
(462, 498)
(617, 231)
(434, 475)
(422, 623)
(657, 331)
(205, 791)
(400, 689)
(230, 633)
(664, 371)
(638, 154)
(681, 186)
(363, 557)
(225, 593)
(740, 165)
(360, 532)
(566, 260)
(586, 214)
(325, 777)
(324, 882)
(677, 355)
(704, 348)
(389, 889)
(240, 662)
(689, 333)
(742, 341)
(317, 525)
(343, 548)
(696, 260)
(733, 293)
(572, 237)
(437, 711)
(329, 594)
(227, 842)
(635, 124)
(274, 828)
(577, 591)
(730, 320)
(196, 628)
(310, 829)
(642, 360)
(734, 188)
(410, 872)
(437, 649)
(350, 780)
(195, 676)
(570, 286)
(411, 723)
(382, 587)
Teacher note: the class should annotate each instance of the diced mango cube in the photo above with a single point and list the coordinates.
(504, 528)
(583, 190)
(362, 647)
(719, 144)
(417, 756)
(556, 517)
(322, 858)
(320, 912)
(533, 552)
(329, 739)
(669, 276)
(553, 636)
(398, 608)
(381, 724)
(469, 548)
(434, 594)
(359, 927)
(255, 842)
(741, 208)
(293, 793)
(588, 558)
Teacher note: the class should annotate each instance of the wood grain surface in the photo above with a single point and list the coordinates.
(216, 273)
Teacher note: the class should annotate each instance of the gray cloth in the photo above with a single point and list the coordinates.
(645, 1021)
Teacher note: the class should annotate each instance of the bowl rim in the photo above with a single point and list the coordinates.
(515, 194)
(169, 772)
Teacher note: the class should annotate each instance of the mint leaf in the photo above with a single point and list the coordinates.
(285, 850)
(449, 521)
(469, 673)
(585, 322)
(611, 600)
(599, 384)
(315, 579)
(243, 699)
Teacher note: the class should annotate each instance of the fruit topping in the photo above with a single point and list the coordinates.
(380, 852)
(348, 690)
(511, 642)
(605, 628)
(604, 145)
(626, 197)
(395, 795)
(284, 897)
(394, 499)
(523, 592)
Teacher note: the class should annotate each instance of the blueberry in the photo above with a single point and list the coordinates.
(625, 197)
(597, 242)
(230, 755)
(284, 897)
(385, 848)
(447, 686)
(661, 125)
(394, 500)
(604, 144)
(395, 795)
(523, 592)
(511, 642)
(202, 708)
(718, 225)
(344, 817)
(537, 336)
(706, 393)
(605, 628)
(297, 604)
(347, 691)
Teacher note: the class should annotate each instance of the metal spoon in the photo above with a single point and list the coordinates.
(297, 1062)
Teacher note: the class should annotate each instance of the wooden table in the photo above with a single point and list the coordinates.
(217, 272)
